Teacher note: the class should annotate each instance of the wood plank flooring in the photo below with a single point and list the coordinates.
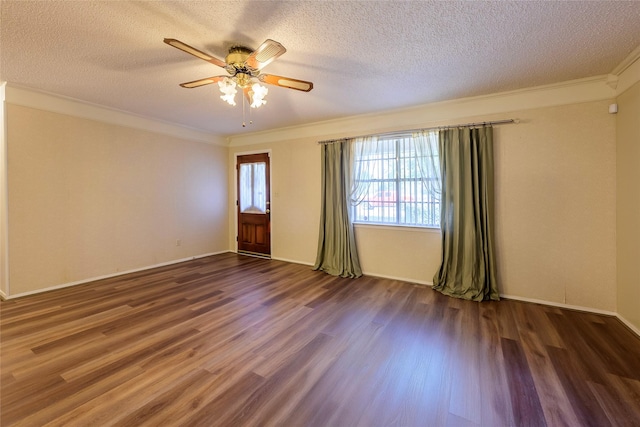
(230, 340)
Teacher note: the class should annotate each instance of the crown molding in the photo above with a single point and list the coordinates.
(588, 89)
(26, 97)
(627, 73)
(627, 62)
(570, 92)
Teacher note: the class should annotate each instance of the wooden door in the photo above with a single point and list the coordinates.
(254, 205)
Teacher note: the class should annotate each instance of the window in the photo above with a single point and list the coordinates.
(397, 180)
(253, 187)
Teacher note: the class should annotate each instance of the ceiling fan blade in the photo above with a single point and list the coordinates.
(265, 54)
(287, 82)
(202, 82)
(195, 52)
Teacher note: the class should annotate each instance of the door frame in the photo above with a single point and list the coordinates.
(235, 193)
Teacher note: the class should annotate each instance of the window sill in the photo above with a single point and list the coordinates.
(399, 227)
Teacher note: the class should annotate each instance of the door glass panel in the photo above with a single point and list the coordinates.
(253, 187)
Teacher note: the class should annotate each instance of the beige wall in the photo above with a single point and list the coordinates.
(555, 207)
(628, 205)
(88, 198)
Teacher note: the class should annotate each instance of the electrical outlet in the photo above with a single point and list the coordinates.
(178, 242)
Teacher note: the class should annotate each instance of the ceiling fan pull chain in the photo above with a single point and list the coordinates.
(243, 114)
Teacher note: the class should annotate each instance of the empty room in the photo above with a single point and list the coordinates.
(319, 213)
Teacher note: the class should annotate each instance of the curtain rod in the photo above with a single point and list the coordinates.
(404, 132)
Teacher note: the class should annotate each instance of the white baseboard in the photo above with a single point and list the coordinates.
(107, 276)
(293, 261)
(560, 305)
(629, 325)
(403, 279)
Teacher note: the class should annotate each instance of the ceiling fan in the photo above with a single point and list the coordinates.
(244, 67)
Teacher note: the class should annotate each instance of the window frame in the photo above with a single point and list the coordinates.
(396, 186)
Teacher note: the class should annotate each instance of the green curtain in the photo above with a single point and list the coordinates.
(468, 267)
(337, 252)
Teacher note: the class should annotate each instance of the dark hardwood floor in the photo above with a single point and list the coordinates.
(233, 341)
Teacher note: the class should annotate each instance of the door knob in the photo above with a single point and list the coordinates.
(268, 211)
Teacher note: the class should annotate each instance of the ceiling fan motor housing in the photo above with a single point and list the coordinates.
(237, 56)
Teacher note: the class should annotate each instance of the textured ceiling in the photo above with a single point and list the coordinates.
(362, 56)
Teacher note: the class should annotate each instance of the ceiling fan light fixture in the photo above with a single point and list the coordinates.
(228, 88)
(257, 94)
